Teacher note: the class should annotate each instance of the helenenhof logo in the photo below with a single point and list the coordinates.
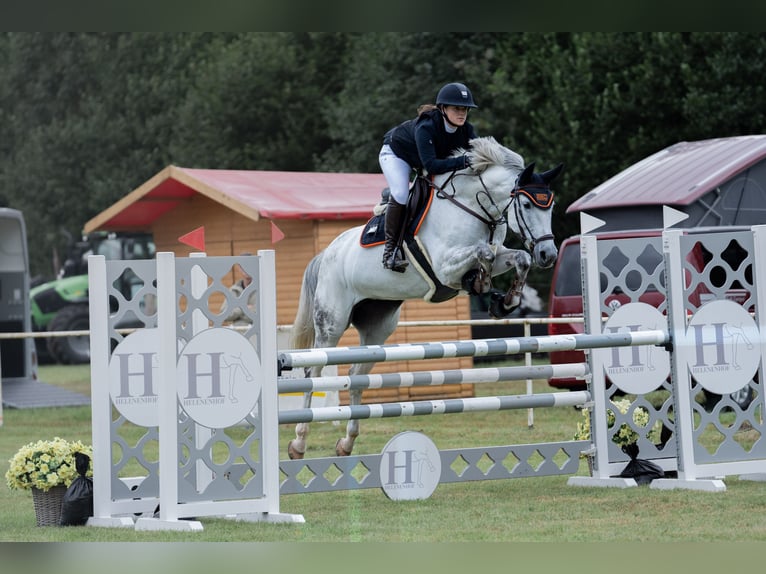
(410, 467)
(637, 369)
(725, 346)
(218, 378)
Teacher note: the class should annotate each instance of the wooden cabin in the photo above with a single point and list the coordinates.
(238, 211)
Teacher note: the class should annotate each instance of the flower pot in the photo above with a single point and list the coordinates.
(48, 505)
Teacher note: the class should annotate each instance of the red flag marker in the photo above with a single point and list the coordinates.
(195, 238)
(276, 233)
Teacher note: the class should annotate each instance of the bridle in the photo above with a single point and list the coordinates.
(541, 196)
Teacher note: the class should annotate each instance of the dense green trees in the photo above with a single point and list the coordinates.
(86, 118)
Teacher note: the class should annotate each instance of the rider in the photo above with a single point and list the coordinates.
(425, 142)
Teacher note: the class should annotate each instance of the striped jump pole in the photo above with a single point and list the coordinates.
(477, 348)
(447, 406)
(432, 378)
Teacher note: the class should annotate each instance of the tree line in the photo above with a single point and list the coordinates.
(87, 117)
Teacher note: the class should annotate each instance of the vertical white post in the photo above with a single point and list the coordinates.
(759, 271)
(267, 317)
(204, 475)
(167, 400)
(592, 318)
(101, 402)
(528, 363)
(99, 389)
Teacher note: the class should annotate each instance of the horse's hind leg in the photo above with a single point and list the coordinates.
(296, 448)
(375, 321)
(329, 321)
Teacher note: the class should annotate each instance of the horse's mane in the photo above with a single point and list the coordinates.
(487, 151)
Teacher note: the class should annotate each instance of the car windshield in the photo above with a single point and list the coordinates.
(568, 277)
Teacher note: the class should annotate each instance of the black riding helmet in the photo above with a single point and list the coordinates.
(455, 94)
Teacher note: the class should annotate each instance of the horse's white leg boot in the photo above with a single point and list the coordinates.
(345, 445)
(296, 448)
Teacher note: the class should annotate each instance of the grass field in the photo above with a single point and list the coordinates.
(517, 510)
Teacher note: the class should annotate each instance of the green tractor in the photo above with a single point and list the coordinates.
(62, 304)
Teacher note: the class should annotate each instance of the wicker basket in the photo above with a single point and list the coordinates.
(48, 505)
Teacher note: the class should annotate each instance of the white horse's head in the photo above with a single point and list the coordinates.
(502, 174)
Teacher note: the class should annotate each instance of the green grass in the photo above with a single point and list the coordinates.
(516, 510)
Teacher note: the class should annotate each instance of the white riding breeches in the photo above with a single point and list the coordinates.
(397, 173)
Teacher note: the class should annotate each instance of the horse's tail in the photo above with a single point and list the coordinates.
(302, 336)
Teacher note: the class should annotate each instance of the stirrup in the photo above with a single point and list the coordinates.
(395, 264)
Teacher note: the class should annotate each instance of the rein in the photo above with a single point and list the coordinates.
(489, 221)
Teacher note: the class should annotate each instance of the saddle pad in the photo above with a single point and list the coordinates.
(374, 231)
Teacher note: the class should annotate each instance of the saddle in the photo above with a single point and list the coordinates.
(418, 204)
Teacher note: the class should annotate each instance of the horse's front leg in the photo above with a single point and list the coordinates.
(468, 268)
(502, 304)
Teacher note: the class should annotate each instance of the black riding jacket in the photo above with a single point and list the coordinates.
(424, 143)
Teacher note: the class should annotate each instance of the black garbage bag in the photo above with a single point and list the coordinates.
(640, 470)
(77, 505)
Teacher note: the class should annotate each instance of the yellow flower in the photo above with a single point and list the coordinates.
(44, 464)
(625, 434)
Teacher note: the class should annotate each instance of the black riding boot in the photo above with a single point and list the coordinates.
(392, 255)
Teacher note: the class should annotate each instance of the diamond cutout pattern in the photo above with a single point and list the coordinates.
(360, 472)
(332, 474)
(459, 465)
(511, 462)
(485, 464)
(561, 458)
(535, 460)
(305, 476)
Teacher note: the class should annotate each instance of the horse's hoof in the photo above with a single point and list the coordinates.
(339, 450)
(292, 453)
(472, 282)
(497, 308)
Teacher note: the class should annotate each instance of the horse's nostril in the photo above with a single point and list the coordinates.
(546, 258)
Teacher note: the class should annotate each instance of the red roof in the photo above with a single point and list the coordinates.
(254, 194)
(676, 175)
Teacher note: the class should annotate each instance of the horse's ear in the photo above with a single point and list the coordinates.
(526, 176)
(552, 174)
